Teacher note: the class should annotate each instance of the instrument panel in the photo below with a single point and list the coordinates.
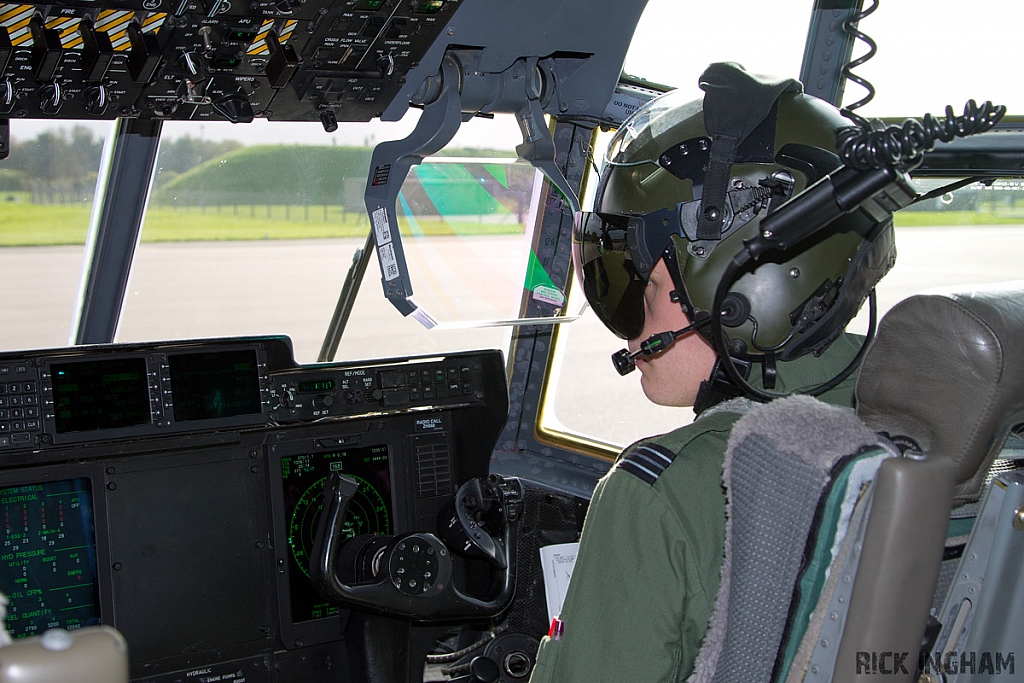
(172, 491)
(297, 60)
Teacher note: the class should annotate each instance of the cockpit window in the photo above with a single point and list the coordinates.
(255, 234)
(674, 41)
(966, 236)
(46, 186)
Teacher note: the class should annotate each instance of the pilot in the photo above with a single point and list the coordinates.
(685, 184)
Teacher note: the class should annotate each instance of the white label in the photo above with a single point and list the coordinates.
(388, 262)
(381, 226)
(548, 295)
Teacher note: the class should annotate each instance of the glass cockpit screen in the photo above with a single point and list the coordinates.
(100, 394)
(48, 556)
(303, 478)
(215, 385)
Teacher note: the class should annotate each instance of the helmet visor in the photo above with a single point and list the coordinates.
(614, 287)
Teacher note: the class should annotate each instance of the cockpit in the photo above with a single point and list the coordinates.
(290, 281)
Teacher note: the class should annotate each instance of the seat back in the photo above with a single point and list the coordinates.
(943, 380)
(945, 377)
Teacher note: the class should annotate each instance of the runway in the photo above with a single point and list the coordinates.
(204, 289)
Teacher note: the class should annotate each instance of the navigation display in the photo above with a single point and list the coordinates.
(304, 477)
(48, 556)
(213, 385)
(100, 394)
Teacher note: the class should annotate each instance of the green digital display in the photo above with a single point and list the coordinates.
(316, 385)
(48, 556)
(303, 478)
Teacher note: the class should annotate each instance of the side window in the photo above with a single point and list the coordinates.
(46, 186)
(962, 238)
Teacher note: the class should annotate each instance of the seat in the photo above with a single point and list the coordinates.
(93, 654)
(842, 590)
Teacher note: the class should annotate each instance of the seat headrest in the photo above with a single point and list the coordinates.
(948, 371)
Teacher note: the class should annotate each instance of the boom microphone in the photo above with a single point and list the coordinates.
(625, 362)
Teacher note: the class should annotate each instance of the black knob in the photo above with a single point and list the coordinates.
(96, 100)
(386, 64)
(484, 670)
(235, 107)
(51, 97)
(329, 120)
(192, 63)
(325, 401)
(7, 96)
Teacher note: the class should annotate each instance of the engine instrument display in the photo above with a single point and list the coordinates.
(48, 556)
(100, 394)
(304, 477)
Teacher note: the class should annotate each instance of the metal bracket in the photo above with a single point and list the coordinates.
(519, 90)
(389, 167)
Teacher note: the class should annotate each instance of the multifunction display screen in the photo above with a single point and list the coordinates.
(100, 394)
(48, 556)
(220, 384)
(370, 512)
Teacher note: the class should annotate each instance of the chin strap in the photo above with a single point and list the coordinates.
(719, 387)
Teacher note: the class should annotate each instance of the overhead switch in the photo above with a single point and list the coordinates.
(282, 63)
(6, 49)
(97, 52)
(144, 57)
(46, 49)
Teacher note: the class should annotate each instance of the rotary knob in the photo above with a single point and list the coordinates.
(325, 401)
(51, 97)
(96, 100)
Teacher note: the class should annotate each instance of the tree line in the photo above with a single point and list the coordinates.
(61, 165)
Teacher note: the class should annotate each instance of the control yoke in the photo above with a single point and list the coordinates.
(457, 93)
(410, 575)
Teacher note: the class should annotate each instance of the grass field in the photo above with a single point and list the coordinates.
(25, 224)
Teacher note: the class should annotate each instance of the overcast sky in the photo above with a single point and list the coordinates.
(928, 57)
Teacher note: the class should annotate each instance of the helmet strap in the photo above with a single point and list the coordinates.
(711, 213)
(719, 387)
(735, 104)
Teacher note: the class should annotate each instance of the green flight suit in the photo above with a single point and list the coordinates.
(650, 555)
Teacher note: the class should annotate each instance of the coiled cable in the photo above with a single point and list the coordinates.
(851, 26)
(904, 146)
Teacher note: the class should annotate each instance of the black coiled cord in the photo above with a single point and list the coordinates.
(903, 146)
(851, 26)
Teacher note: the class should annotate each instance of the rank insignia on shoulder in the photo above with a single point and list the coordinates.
(647, 461)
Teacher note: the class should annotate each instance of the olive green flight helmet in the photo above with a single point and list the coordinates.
(690, 181)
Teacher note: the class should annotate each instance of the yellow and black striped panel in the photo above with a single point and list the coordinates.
(259, 45)
(15, 18)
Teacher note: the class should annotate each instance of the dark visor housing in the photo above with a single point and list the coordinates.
(613, 256)
(613, 285)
